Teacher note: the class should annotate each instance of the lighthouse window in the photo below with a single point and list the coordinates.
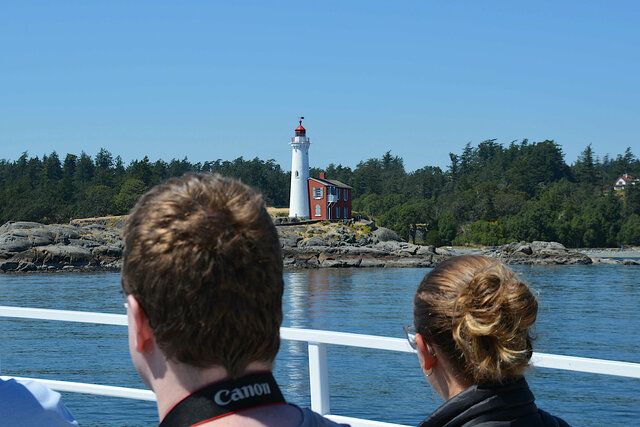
(318, 213)
(296, 174)
(318, 193)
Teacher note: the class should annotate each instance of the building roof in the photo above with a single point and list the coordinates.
(332, 182)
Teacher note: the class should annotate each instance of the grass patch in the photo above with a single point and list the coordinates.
(278, 212)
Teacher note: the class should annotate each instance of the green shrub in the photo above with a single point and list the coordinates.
(364, 229)
(433, 238)
(486, 233)
(630, 231)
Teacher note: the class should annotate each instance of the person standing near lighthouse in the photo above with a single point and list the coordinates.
(299, 198)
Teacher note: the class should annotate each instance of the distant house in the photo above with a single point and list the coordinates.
(624, 180)
(329, 199)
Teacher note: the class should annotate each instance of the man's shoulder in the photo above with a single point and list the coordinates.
(31, 403)
(312, 419)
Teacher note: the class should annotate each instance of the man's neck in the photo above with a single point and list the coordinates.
(180, 380)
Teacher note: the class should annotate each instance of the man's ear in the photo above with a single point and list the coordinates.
(144, 340)
(428, 359)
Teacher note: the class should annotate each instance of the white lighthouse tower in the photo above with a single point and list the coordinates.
(299, 200)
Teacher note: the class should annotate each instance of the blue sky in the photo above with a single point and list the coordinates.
(210, 80)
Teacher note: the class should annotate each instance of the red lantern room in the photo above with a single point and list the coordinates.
(301, 131)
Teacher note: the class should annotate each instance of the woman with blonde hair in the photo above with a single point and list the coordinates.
(472, 318)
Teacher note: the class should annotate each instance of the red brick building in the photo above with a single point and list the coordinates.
(328, 199)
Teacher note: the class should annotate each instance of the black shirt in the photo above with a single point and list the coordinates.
(503, 405)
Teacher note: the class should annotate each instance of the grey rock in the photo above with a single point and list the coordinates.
(62, 254)
(386, 235)
(41, 237)
(25, 256)
(389, 246)
(310, 262)
(373, 239)
(289, 242)
(348, 239)
(372, 263)
(94, 239)
(18, 225)
(20, 239)
(26, 266)
(358, 251)
(426, 250)
(83, 243)
(289, 261)
(342, 263)
(597, 261)
(286, 220)
(519, 254)
(9, 265)
(64, 232)
(538, 246)
(29, 246)
(315, 241)
(552, 252)
(444, 252)
(94, 227)
(10, 245)
(523, 248)
(409, 263)
(362, 241)
(579, 259)
(108, 253)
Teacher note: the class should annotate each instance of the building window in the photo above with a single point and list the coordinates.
(346, 194)
(337, 212)
(345, 213)
(338, 194)
(318, 213)
(318, 193)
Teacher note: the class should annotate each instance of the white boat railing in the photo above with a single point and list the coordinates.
(317, 342)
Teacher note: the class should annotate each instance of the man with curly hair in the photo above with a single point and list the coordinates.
(202, 275)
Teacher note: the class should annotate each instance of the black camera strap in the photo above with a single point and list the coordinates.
(224, 398)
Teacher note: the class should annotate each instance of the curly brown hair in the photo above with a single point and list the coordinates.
(202, 257)
(479, 313)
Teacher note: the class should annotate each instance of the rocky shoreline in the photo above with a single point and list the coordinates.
(544, 253)
(96, 245)
(92, 245)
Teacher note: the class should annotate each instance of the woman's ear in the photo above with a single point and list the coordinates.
(428, 357)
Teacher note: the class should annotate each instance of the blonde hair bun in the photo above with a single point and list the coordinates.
(480, 314)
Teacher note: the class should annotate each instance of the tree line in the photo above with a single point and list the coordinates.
(489, 194)
(49, 190)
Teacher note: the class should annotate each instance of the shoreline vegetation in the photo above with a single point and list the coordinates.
(95, 244)
(489, 195)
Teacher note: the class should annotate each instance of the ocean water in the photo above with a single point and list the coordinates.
(588, 311)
